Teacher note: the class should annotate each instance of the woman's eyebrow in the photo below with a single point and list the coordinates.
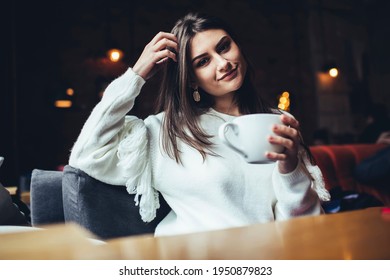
(220, 42)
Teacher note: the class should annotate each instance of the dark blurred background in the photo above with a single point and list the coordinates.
(54, 50)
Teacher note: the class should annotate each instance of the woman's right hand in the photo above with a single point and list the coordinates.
(155, 53)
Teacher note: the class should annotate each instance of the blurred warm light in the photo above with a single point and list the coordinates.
(63, 103)
(325, 81)
(115, 55)
(70, 91)
(286, 94)
(333, 72)
(284, 101)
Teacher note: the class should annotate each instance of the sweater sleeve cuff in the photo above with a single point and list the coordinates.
(295, 177)
(139, 80)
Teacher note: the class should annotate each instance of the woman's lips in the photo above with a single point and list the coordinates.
(229, 75)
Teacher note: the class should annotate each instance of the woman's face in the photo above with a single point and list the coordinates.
(217, 62)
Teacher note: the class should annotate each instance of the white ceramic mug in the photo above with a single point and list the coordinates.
(248, 136)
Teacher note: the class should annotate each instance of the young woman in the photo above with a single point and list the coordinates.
(177, 152)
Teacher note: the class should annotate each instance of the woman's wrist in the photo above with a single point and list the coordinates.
(286, 167)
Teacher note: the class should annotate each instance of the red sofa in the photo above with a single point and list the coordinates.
(337, 163)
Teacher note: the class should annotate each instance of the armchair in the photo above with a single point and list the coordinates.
(73, 196)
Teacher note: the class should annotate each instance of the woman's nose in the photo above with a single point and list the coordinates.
(222, 63)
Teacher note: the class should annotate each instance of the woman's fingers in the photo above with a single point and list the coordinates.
(165, 43)
(165, 46)
(163, 35)
(290, 121)
(161, 48)
(164, 55)
(289, 129)
(285, 142)
(286, 135)
(276, 156)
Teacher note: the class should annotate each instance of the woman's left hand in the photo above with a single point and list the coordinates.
(287, 135)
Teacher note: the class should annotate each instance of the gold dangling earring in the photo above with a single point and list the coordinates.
(196, 95)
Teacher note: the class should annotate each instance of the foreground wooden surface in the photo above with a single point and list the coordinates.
(362, 234)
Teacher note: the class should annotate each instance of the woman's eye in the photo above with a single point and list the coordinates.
(224, 47)
(202, 62)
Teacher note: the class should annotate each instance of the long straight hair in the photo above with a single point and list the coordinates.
(175, 98)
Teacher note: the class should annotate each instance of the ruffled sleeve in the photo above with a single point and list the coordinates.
(133, 155)
(114, 148)
(318, 183)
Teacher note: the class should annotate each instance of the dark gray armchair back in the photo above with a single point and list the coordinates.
(105, 210)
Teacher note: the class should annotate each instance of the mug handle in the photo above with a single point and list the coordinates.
(222, 135)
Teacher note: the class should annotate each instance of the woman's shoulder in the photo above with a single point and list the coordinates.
(154, 119)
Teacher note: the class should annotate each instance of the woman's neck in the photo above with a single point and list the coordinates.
(227, 106)
(232, 111)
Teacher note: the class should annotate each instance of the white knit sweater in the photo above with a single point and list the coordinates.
(222, 191)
